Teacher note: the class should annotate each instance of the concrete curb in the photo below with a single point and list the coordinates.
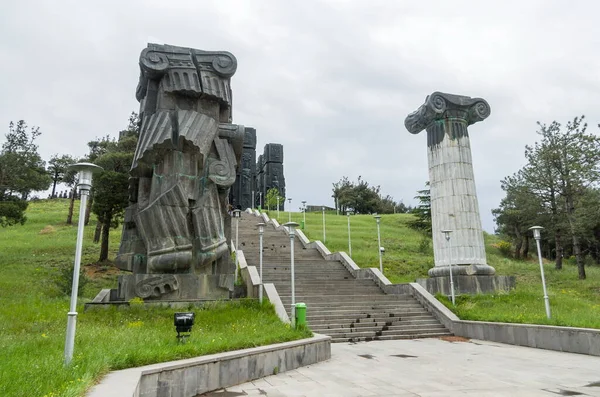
(564, 339)
(190, 377)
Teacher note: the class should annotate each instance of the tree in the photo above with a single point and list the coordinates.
(557, 187)
(518, 211)
(22, 170)
(273, 198)
(12, 211)
(58, 169)
(423, 211)
(111, 185)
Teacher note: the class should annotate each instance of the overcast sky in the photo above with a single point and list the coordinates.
(330, 80)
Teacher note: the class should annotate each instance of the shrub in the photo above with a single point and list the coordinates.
(425, 245)
(505, 248)
(63, 279)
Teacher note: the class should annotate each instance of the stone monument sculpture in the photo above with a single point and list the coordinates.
(176, 227)
(454, 204)
(245, 184)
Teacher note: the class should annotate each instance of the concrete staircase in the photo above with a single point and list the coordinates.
(338, 305)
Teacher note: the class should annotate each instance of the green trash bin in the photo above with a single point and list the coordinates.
(300, 314)
(302, 225)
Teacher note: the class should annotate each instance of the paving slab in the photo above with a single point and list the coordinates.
(433, 368)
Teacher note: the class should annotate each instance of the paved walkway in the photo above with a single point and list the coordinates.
(433, 367)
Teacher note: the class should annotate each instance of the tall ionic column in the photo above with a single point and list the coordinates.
(454, 205)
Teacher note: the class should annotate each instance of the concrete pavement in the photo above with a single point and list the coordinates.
(433, 367)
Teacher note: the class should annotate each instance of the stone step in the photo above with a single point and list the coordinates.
(417, 323)
(359, 317)
(363, 305)
(370, 321)
(333, 297)
(390, 337)
(400, 328)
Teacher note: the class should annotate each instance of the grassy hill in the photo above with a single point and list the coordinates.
(36, 258)
(408, 256)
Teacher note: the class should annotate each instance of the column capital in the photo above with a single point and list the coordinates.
(442, 106)
(190, 71)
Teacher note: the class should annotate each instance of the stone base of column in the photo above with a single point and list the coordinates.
(462, 270)
(174, 287)
(470, 285)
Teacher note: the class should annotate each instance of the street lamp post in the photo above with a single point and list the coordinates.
(260, 200)
(261, 231)
(85, 170)
(537, 235)
(324, 235)
(349, 238)
(379, 248)
(290, 210)
(253, 202)
(303, 214)
(447, 235)
(236, 215)
(292, 229)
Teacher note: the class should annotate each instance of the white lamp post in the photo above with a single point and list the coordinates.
(379, 247)
(261, 231)
(303, 214)
(324, 235)
(86, 170)
(537, 235)
(253, 202)
(236, 215)
(290, 210)
(447, 235)
(292, 229)
(349, 238)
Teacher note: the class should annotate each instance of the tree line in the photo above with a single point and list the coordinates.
(23, 171)
(362, 198)
(558, 189)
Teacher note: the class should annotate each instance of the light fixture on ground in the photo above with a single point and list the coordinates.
(378, 219)
(290, 210)
(236, 215)
(292, 230)
(447, 235)
(324, 234)
(183, 324)
(261, 232)
(537, 235)
(85, 170)
(303, 214)
(349, 238)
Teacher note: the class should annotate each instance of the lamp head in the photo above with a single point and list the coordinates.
(236, 213)
(261, 227)
(382, 250)
(85, 170)
(536, 232)
(447, 234)
(377, 218)
(291, 227)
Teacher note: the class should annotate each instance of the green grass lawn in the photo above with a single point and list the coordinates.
(33, 315)
(408, 256)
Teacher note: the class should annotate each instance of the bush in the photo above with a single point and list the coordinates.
(63, 280)
(505, 248)
(425, 245)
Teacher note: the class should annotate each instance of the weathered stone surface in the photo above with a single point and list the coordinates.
(454, 203)
(184, 165)
(174, 287)
(465, 284)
